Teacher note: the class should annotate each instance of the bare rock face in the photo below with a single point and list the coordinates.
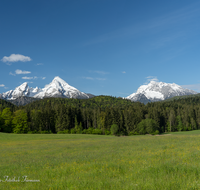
(23, 100)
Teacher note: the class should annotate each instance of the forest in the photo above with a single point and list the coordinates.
(100, 115)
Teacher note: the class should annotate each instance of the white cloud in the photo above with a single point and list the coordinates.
(99, 72)
(40, 64)
(19, 72)
(35, 77)
(151, 78)
(88, 78)
(2, 85)
(124, 72)
(16, 58)
(11, 74)
(27, 78)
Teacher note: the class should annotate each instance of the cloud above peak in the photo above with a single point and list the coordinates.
(27, 78)
(33, 78)
(99, 72)
(92, 78)
(151, 78)
(16, 58)
(19, 72)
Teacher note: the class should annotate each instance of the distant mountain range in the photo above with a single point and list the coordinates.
(154, 91)
(57, 88)
(157, 91)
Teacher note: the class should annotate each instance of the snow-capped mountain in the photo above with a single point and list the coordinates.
(22, 90)
(157, 91)
(57, 88)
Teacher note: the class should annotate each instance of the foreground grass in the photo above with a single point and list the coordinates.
(100, 162)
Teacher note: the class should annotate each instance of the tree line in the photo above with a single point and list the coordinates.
(100, 115)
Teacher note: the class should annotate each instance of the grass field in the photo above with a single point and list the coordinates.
(62, 161)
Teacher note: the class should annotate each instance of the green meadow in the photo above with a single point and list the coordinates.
(67, 161)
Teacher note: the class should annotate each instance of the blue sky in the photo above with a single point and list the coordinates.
(107, 47)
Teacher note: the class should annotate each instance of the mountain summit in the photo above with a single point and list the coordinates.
(157, 91)
(57, 88)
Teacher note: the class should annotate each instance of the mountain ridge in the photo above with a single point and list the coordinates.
(57, 88)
